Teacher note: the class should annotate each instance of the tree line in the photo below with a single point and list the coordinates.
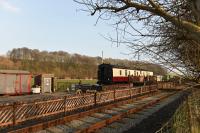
(64, 64)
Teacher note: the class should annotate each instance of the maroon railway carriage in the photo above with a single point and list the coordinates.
(109, 74)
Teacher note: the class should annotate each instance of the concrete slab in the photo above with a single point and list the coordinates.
(90, 119)
(119, 109)
(54, 130)
(101, 115)
(111, 112)
(66, 129)
(129, 105)
(126, 107)
(77, 124)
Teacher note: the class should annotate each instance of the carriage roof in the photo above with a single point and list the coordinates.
(123, 67)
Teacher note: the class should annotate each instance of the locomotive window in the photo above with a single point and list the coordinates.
(120, 72)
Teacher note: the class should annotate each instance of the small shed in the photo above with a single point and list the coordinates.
(14, 82)
(46, 82)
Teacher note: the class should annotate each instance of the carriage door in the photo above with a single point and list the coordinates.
(47, 84)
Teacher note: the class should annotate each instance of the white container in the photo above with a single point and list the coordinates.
(36, 90)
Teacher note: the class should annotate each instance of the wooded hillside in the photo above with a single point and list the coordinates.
(63, 64)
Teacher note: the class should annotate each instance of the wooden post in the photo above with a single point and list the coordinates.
(14, 113)
(95, 98)
(64, 105)
(149, 88)
(114, 93)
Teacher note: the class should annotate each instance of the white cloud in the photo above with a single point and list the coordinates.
(4, 4)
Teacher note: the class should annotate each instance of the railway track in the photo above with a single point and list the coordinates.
(96, 120)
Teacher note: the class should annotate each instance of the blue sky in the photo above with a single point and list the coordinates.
(54, 25)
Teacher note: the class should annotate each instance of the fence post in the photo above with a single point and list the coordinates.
(157, 85)
(114, 93)
(95, 98)
(64, 103)
(14, 113)
(149, 88)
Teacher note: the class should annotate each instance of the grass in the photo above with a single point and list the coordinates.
(63, 84)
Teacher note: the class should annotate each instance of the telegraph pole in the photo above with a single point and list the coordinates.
(102, 56)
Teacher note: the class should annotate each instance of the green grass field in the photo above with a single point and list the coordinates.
(63, 84)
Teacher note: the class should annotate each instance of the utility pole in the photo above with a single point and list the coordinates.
(102, 56)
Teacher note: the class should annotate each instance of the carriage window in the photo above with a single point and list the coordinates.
(120, 72)
(129, 73)
(125, 72)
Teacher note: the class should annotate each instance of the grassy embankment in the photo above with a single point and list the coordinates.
(186, 118)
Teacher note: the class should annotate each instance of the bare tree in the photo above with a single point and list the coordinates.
(170, 30)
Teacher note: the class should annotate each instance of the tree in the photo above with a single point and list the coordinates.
(169, 29)
(148, 9)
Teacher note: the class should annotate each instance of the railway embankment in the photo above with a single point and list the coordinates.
(186, 119)
(143, 116)
(152, 119)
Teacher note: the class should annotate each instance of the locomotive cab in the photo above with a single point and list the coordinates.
(105, 74)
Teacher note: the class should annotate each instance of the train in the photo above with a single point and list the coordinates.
(114, 74)
(110, 75)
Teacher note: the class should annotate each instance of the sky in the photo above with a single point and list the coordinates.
(54, 25)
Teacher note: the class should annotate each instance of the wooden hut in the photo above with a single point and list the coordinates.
(46, 82)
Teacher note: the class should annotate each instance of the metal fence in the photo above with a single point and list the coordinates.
(16, 113)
